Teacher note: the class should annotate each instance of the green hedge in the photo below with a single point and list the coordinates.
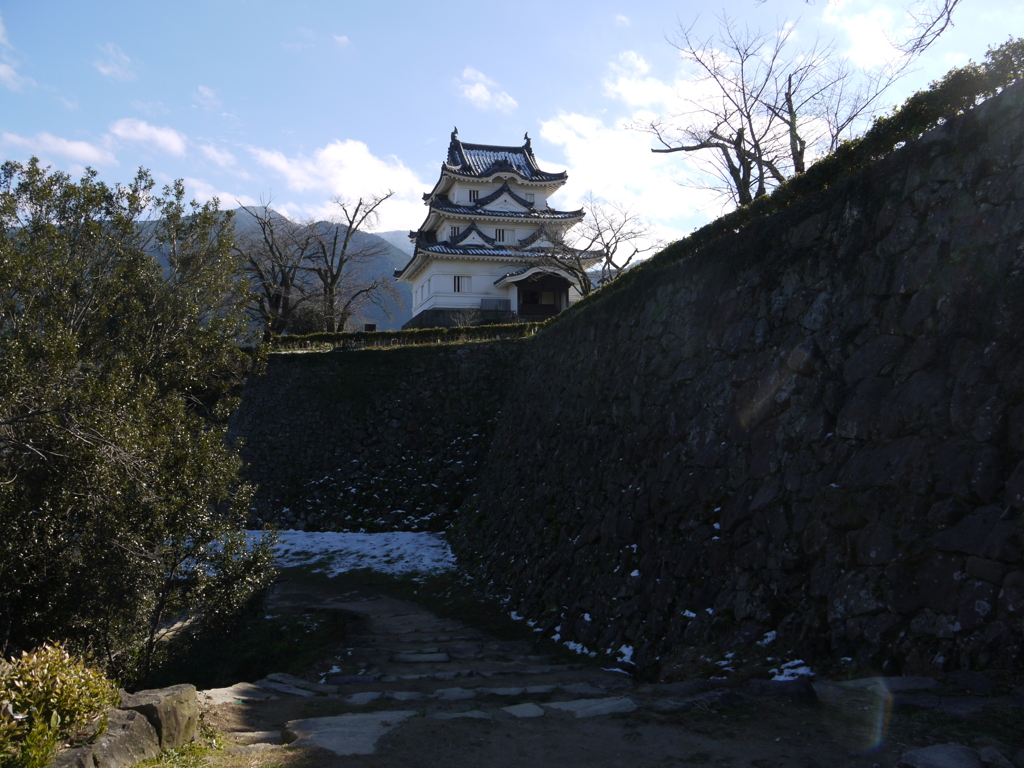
(960, 90)
(361, 339)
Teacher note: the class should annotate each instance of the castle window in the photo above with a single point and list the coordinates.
(454, 232)
(499, 235)
(474, 195)
(463, 283)
(529, 197)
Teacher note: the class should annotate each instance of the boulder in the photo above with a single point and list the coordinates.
(173, 712)
(129, 739)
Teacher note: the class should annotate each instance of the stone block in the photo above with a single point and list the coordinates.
(79, 757)
(173, 712)
(129, 739)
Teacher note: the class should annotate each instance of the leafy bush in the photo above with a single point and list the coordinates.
(122, 322)
(48, 696)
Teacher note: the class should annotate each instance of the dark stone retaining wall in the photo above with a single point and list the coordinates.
(371, 438)
(814, 428)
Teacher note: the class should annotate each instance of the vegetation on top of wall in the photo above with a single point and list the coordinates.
(362, 339)
(960, 90)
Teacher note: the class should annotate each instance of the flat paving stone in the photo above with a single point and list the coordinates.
(582, 689)
(355, 734)
(595, 707)
(419, 658)
(454, 694)
(291, 690)
(524, 710)
(474, 714)
(298, 682)
(364, 697)
(405, 695)
(253, 737)
(236, 692)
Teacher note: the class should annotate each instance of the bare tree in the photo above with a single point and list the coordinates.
(276, 257)
(929, 24)
(600, 247)
(338, 256)
(768, 108)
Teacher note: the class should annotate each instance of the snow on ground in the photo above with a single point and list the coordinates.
(393, 553)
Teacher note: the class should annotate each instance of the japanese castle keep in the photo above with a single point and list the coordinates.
(482, 254)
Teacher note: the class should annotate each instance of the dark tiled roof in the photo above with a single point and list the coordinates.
(488, 159)
(479, 250)
(503, 190)
(442, 203)
(467, 231)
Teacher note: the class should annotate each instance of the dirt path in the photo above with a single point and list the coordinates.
(409, 688)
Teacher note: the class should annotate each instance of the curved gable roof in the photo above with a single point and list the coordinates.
(485, 160)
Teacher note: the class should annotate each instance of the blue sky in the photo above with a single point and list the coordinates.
(305, 101)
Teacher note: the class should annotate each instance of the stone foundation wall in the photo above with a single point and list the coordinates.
(814, 428)
(370, 438)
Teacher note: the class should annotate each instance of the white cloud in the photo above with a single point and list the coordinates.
(150, 107)
(160, 137)
(221, 157)
(47, 144)
(342, 40)
(483, 93)
(617, 164)
(8, 67)
(207, 97)
(115, 63)
(629, 81)
(870, 29)
(10, 78)
(622, 20)
(202, 191)
(348, 169)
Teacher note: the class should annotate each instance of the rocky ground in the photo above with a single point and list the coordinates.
(410, 687)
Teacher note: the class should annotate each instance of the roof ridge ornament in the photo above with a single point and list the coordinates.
(529, 144)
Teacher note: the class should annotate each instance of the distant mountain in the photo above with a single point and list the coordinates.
(391, 259)
(398, 238)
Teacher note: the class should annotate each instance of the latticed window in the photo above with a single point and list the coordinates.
(499, 235)
(463, 283)
(454, 232)
(474, 195)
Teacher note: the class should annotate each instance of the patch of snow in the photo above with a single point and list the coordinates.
(626, 654)
(516, 617)
(586, 617)
(635, 573)
(689, 614)
(791, 670)
(333, 552)
(579, 648)
(768, 637)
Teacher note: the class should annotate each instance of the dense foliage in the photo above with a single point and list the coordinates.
(361, 339)
(119, 505)
(960, 90)
(46, 697)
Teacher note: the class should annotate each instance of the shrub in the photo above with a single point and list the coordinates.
(48, 696)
